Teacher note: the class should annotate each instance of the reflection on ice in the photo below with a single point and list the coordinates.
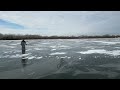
(24, 62)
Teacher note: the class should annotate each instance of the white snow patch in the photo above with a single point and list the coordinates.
(102, 51)
(38, 49)
(64, 57)
(53, 49)
(53, 46)
(57, 53)
(15, 44)
(57, 57)
(68, 57)
(15, 56)
(45, 43)
(80, 58)
(25, 54)
(108, 43)
(117, 47)
(6, 46)
(32, 57)
(60, 46)
(17, 51)
(63, 46)
(28, 49)
(6, 52)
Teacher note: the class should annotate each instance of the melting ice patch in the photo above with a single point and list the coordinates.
(57, 53)
(102, 51)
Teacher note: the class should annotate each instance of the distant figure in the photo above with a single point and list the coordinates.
(23, 43)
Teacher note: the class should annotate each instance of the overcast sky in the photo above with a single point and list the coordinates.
(60, 22)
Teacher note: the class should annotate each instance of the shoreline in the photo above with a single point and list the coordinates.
(60, 38)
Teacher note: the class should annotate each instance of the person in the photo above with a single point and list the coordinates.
(23, 43)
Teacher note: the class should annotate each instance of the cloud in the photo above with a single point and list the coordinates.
(63, 22)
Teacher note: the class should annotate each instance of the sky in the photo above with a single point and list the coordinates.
(60, 22)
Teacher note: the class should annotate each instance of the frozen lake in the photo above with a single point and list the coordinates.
(61, 59)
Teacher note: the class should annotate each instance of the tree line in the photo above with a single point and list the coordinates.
(19, 37)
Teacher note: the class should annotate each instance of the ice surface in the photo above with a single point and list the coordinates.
(43, 57)
(93, 71)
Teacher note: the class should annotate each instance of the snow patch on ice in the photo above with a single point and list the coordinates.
(6, 46)
(45, 43)
(68, 57)
(64, 57)
(60, 47)
(53, 46)
(79, 57)
(38, 49)
(63, 46)
(102, 51)
(57, 53)
(39, 57)
(15, 44)
(15, 56)
(32, 57)
(108, 43)
(53, 49)
(26, 54)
